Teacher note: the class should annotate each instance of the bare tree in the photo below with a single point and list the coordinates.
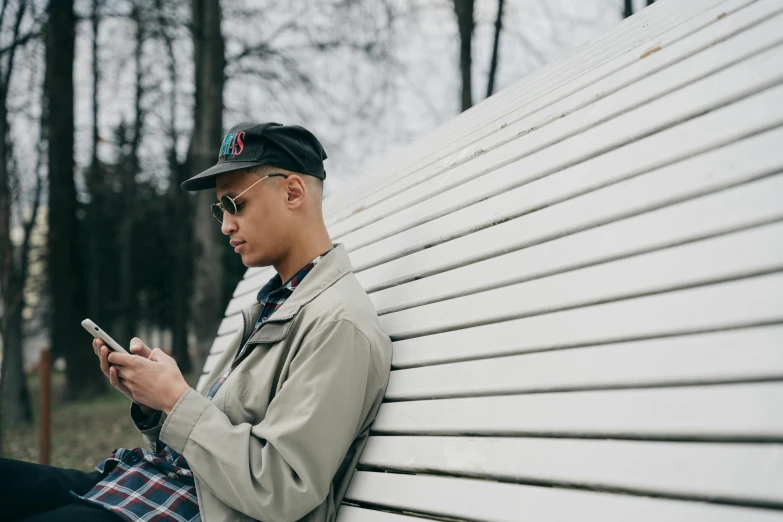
(65, 266)
(465, 21)
(15, 405)
(180, 222)
(627, 8)
(95, 184)
(493, 66)
(210, 62)
(130, 169)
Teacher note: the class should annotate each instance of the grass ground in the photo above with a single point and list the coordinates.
(82, 433)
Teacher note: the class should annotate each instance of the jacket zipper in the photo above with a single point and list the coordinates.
(242, 343)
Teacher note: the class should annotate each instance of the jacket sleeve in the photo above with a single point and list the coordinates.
(149, 426)
(281, 468)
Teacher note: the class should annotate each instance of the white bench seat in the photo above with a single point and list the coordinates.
(694, 470)
(582, 278)
(462, 498)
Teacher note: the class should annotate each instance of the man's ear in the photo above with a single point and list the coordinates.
(296, 191)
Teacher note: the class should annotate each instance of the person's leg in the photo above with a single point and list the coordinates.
(27, 488)
(77, 512)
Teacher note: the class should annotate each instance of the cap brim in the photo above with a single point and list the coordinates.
(207, 179)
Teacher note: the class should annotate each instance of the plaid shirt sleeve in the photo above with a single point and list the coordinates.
(142, 421)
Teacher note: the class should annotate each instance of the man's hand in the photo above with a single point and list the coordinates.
(155, 381)
(137, 347)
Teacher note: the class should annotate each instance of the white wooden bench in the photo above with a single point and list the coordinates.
(583, 280)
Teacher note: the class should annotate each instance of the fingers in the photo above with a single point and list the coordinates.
(137, 347)
(117, 382)
(96, 345)
(114, 379)
(122, 359)
(104, 356)
(103, 353)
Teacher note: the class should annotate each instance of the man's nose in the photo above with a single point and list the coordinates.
(229, 224)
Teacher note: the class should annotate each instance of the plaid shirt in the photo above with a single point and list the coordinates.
(157, 487)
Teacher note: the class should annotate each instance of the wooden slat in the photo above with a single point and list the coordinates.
(254, 280)
(221, 342)
(218, 347)
(210, 362)
(498, 502)
(664, 186)
(727, 411)
(356, 514)
(704, 217)
(740, 473)
(230, 324)
(702, 262)
(527, 136)
(733, 304)
(615, 147)
(247, 299)
(599, 59)
(734, 355)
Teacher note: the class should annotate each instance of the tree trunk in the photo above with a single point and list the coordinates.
(127, 326)
(95, 187)
(207, 301)
(16, 397)
(15, 405)
(181, 219)
(84, 378)
(627, 8)
(493, 66)
(181, 283)
(465, 21)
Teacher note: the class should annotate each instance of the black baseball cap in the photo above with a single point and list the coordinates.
(245, 145)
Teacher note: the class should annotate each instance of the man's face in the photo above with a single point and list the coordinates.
(258, 229)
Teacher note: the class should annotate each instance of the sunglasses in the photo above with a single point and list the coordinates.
(230, 205)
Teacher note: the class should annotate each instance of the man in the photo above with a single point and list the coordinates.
(277, 431)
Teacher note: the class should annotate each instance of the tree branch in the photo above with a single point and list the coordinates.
(14, 45)
(494, 62)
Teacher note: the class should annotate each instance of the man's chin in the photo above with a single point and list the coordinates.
(251, 261)
(247, 260)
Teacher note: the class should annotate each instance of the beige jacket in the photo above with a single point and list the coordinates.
(281, 438)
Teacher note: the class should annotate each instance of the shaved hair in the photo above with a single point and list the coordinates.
(316, 185)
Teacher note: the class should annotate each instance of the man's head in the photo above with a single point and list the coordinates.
(280, 207)
(273, 175)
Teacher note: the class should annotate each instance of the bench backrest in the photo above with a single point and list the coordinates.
(583, 280)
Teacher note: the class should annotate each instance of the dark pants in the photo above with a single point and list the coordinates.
(38, 493)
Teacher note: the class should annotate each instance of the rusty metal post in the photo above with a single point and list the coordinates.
(45, 390)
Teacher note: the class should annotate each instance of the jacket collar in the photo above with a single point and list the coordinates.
(324, 274)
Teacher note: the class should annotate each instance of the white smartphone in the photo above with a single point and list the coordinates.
(96, 331)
